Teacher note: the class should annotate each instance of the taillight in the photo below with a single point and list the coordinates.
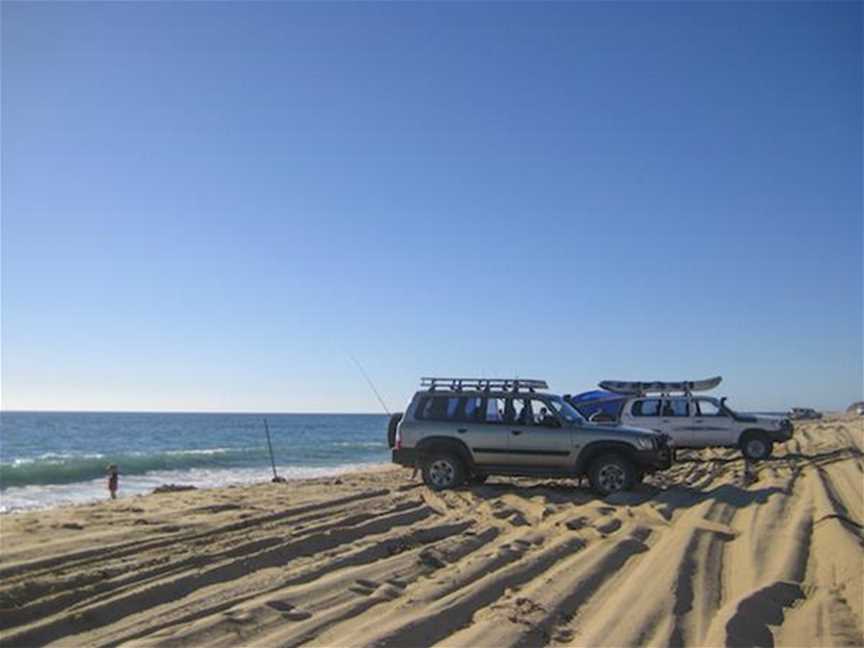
(398, 439)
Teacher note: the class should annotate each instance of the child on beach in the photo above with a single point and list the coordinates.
(112, 481)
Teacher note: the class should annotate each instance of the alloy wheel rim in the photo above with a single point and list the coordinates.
(611, 478)
(441, 472)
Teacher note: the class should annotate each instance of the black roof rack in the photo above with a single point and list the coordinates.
(483, 384)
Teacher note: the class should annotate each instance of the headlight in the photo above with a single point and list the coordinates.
(645, 443)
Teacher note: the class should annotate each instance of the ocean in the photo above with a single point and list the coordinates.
(53, 458)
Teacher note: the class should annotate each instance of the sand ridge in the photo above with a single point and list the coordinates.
(703, 554)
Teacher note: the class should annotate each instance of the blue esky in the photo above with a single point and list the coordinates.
(210, 206)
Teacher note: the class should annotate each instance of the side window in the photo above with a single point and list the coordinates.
(494, 410)
(676, 407)
(472, 408)
(452, 408)
(707, 408)
(544, 415)
(533, 411)
(522, 411)
(439, 408)
(432, 408)
(646, 407)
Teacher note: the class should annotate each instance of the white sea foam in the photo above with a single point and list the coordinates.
(51, 495)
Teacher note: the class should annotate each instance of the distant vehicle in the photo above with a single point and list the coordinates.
(691, 421)
(459, 430)
(804, 413)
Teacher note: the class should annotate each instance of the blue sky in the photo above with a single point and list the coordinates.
(210, 206)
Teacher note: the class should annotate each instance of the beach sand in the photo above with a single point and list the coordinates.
(700, 555)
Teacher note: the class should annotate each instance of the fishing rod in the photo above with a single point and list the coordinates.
(378, 396)
(276, 478)
(370, 383)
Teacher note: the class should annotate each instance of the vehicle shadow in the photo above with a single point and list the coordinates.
(561, 491)
(671, 498)
(790, 457)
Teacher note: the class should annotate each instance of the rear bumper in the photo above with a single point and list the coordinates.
(405, 456)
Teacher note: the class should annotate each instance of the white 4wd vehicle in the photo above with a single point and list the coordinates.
(696, 421)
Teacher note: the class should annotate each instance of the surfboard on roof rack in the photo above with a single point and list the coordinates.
(631, 387)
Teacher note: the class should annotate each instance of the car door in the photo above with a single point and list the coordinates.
(538, 437)
(463, 417)
(645, 413)
(711, 425)
(676, 420)
(484, 431)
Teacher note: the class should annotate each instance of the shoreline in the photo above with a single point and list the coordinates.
(98, 485)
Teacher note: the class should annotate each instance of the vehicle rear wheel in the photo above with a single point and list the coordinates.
(611, 473)
(756, 446)
(443, 471)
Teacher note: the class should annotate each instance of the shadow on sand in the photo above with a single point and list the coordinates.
(797, 458)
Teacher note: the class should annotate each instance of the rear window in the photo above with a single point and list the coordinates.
(646, 407)
(450, 408)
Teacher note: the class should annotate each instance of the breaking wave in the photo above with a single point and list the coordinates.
(55, 468)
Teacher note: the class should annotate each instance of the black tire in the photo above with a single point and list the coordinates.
(756, 446)
(611, 473)
(391, 429)
(442, 471)
(478, 479)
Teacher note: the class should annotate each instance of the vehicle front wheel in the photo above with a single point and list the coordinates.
(611, 473)
(755, 446)
(443, 471)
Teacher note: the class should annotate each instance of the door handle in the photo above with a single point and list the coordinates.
(516, 432)
(462, 430)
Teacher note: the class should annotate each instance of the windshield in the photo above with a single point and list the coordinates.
(565, 410)
(726, 407)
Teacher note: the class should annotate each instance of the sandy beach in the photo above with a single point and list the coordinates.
(700, 555)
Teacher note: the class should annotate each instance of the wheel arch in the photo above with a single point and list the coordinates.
(597, 448)
(750, 432)
(434, 444)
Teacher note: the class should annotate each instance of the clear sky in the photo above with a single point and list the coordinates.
(210, 206)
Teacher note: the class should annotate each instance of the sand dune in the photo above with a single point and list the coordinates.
(704, 554)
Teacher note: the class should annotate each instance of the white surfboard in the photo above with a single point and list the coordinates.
(659, 386)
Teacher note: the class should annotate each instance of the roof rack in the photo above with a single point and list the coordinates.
(483, 384)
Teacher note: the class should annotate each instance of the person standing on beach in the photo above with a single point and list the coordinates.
(112, 481)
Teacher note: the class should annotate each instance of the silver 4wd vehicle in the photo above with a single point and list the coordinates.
(459, 430)
(696, 421)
